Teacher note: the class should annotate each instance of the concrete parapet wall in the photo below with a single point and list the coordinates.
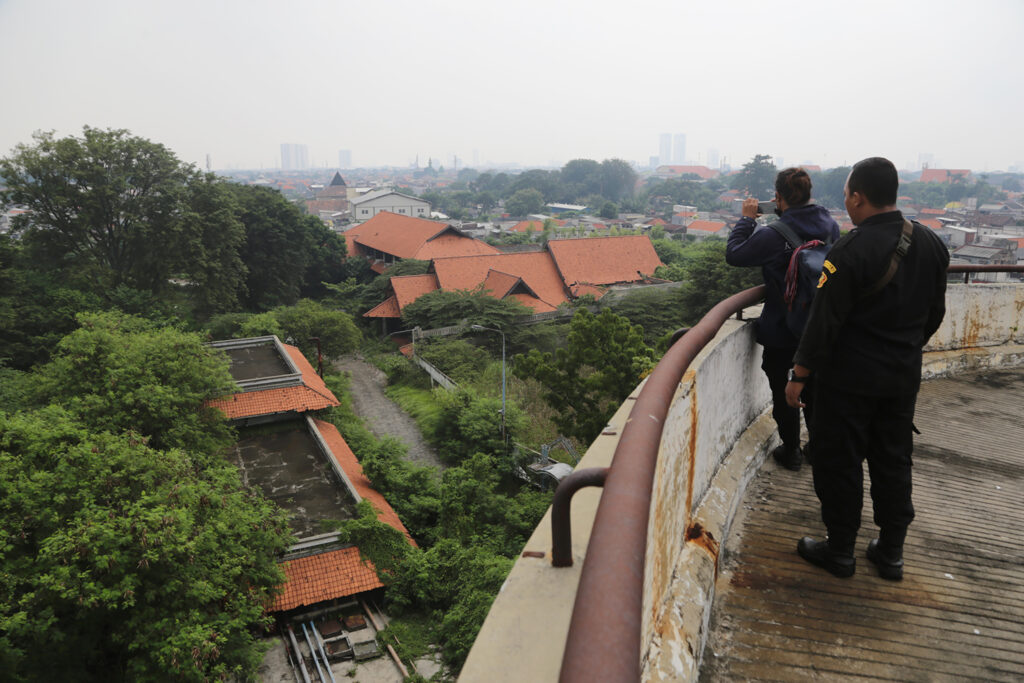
(717, 434)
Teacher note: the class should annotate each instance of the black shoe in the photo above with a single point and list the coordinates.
(888, 567)
(791, 459)
(821, 555)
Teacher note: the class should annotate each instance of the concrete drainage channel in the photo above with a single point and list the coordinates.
(333, 644)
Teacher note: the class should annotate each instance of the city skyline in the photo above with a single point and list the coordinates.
(794, 79)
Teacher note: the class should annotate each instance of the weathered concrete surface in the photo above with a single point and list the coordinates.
(957, 615)
(524, 634)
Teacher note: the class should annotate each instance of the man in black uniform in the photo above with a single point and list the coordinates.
(863, 346)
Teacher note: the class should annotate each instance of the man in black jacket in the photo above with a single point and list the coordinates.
(753, 245)
(864, 350)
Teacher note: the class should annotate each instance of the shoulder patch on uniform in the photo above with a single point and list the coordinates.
(829, 266)
(823, 279)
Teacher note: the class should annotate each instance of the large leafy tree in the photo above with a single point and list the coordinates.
(441, 308)
(115, 209)
(286, 253)
(603, 360)
(131, 549)
(757, 177)
(525, 201)
(119, 373)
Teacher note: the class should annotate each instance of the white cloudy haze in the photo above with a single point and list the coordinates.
(531, 81)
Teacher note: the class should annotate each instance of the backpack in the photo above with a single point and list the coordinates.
(802, 275)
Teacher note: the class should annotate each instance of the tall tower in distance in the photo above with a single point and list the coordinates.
(665, 148)
(713, 158)
(294, 157)
(345, 158)
(679, 149)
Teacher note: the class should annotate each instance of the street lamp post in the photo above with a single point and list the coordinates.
(494, 329)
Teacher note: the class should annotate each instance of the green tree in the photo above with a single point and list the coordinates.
(609, 211)
(308, 319)
(469, 424)
(757, 178)
(107, 203)
(119, 373)
(706, 278)
(618, 179)
(442, 308)
(524, 202)
(603, 361)
(124, 562)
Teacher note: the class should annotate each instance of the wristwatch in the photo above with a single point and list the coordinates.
(793, 377)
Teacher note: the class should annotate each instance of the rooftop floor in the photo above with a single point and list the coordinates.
(958, 614)
(285, 462)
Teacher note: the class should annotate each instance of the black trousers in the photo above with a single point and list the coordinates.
(776, 363)
(849, 429)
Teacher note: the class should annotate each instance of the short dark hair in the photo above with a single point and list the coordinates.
(794, 186)
(876, 179)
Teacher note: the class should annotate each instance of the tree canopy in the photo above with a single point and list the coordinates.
(604, 359)
(757, 177)
(131, 546)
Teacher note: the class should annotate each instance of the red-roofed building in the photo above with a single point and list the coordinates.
(944, 175)
(932, 212)
(932, 223)
(703, 229)
(605, 261)
(323, 577)
(389, 237)
(535, 226)
(703, 172)
(275, 379)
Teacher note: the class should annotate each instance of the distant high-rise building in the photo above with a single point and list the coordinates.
(925, 160)
(665, 148)
(679, 149)
(294, 157)
(713, 158)
(345, 158)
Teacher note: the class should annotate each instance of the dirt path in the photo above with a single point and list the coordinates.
(382, 415)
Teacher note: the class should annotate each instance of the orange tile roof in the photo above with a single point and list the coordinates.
(934, 212)
(533, 303)
(499, 284)
(706, 226)
(604, 260)
(326, 576)
(312, 394)
(656, 221)
(453, 244)
(408, 288)
(931, 223)
(536, 226)
(354, 471)
(942, 175)
(583, 290)
(701, 171)
(536, 268)
(385, 309)
(379, 267)
(408, 237)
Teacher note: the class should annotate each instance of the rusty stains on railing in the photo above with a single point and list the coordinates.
(604, 634)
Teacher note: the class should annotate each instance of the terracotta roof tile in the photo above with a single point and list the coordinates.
(354, 471)
(706, 226)
(583, 290)
(931, 223)
(604, 260)
(499, 284)
(536, 268)
(408, 288)
(408, 237)
(942, 175)
(933, 212)
(326, 576)
(312, 394)
(536, 226)
(385, 309)
(533, 303)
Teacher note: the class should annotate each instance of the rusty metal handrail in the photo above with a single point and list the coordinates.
(605, 631)
(561, 529)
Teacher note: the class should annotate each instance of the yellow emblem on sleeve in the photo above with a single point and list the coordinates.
(822, 279)
(828, 266)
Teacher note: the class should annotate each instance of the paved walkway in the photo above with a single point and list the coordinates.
(957, 615)
(382, 416)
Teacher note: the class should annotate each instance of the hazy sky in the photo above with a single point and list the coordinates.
(529, 81)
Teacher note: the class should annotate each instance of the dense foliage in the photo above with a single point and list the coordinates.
(604, 359)
(130, 544)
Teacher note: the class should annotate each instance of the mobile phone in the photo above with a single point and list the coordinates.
(766, 207)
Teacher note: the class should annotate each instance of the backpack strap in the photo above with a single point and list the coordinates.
(902, 247)
(787, 233)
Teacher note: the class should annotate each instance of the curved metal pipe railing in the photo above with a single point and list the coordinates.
(605, 630)
(604, 634)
